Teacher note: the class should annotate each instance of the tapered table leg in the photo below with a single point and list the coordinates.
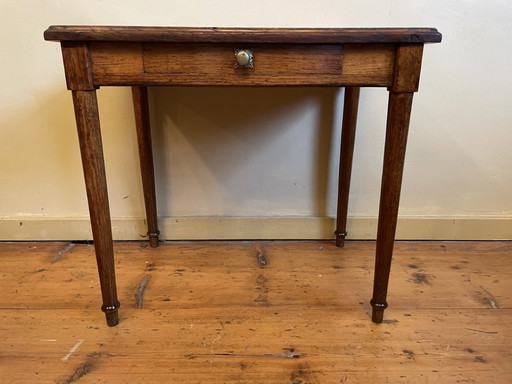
(89, 135)
(348, 134)
(142, 122)
(399, 111)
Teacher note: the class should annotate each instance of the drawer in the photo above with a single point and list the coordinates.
(270, 63)
(214, 64)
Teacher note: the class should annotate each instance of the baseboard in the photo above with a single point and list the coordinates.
(224, 228)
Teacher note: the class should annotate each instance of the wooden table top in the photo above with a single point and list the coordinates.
(246, 35)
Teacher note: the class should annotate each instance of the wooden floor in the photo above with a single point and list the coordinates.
(213, 312)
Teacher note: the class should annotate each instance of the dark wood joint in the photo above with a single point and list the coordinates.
(407, 68)
(77, 66)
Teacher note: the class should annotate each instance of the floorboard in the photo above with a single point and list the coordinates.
(282, 312)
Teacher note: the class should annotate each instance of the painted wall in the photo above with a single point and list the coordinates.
(259, 152)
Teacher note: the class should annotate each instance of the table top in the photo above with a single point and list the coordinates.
(246, 35)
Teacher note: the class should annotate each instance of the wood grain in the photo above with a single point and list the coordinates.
(218, 59)
(407, 68)
(93, 164)
(238, 35)
(371, 64)
(143, 126)
(172, 64)
(120, 58)
(201, 320)
(348, 136)
(77, 66)
(397, 128)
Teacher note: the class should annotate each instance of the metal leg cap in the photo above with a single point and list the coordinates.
(377, 315)
(153, 239)
(112, 318)
(111, 313)
(340, 238)
(378, 311)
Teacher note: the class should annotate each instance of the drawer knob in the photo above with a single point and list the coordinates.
(243, 58)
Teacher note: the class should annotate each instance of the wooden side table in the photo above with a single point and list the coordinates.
(139, 57)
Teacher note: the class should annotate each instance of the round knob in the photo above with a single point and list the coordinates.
(243, 58)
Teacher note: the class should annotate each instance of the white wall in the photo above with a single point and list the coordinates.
(260, 152)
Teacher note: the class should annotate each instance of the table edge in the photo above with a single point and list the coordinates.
(242, 35)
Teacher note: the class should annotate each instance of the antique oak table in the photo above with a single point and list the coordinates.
(139, 57)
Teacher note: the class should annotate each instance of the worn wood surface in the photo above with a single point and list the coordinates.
(237, 35)
(213, 64)
(407, 68)
(77, 66)
(397, 128)
(93, 164)
(257, 312)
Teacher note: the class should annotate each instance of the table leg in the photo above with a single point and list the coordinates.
(89, 135)
(142, 122)
(348, 135)
(399, 112)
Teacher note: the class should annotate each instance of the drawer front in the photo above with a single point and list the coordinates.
(271, 64)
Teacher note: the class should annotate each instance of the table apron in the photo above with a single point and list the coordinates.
(168, 64)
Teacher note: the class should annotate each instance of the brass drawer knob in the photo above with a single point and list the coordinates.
(244, 58)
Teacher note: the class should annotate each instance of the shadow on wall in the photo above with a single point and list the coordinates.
(40, 153)
(41, 165)
(218, 151)
(245, 151)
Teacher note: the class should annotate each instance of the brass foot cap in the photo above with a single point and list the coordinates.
(340, 238)
(378, 311)
(111, 313)
(153, 239)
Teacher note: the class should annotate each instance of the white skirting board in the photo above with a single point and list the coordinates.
(234, 228)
